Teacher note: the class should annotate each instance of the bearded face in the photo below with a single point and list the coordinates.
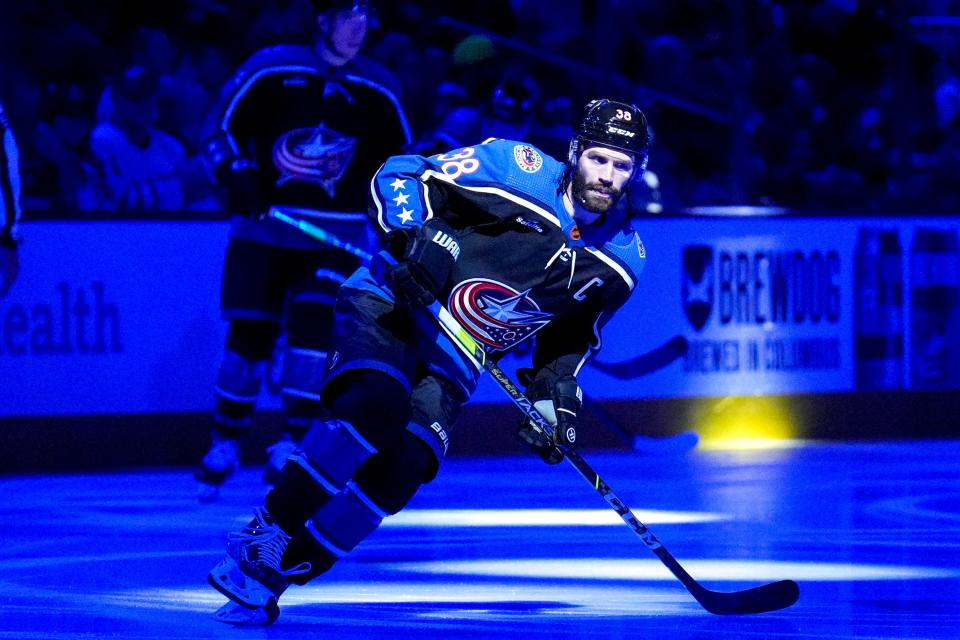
(602, 174)
(594, 196)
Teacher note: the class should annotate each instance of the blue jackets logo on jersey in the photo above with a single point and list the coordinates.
(527, 158)
(317, 155)
(496, 315)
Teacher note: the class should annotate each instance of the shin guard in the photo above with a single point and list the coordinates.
(345, 521)
(331, 453)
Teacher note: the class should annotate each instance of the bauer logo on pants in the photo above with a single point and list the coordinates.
(442, 433)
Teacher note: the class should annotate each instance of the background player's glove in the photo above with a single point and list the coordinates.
(559, 404)
(427, 261)
(241, 180)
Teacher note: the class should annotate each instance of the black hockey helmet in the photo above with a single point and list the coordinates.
(613, 124)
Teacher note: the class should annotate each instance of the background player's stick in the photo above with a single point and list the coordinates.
(677, 443)
(767, 597)
(641, 365)
(318, 233)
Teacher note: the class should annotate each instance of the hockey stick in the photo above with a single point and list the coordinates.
(645, 363)
(676, 443)
(768, 597)
(317, 233)
(641, 365)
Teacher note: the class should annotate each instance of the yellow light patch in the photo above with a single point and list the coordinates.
(745, 423)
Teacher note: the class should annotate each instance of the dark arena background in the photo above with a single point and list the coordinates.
(779, 399)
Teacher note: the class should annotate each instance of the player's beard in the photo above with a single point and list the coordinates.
(585, 195)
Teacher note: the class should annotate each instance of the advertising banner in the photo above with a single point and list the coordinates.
(772, 306)
(113, 317)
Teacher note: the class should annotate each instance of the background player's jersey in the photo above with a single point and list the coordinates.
(9, 178)
(525, 267)
(316, 133)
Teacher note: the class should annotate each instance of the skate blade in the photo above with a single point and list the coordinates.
(228, 579)
(241, 616)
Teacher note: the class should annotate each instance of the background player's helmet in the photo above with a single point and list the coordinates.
(613, 124)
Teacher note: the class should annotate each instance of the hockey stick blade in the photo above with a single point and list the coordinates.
(646, 363)
(676, 443)
(772, 596)
(768, 597)
(665, 445)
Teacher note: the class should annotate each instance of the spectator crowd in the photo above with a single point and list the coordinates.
(830, 105)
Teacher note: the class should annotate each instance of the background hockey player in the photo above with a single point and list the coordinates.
(300, 130)
(517, 246)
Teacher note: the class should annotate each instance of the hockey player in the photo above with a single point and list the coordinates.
(9, 206)
(300, 130)
(516, 245)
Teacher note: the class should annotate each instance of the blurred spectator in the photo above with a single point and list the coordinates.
(62, 138)
(143, 168)
(9, 205)
(419, 69)
(194, 83)
(820, 103)
(509, 112)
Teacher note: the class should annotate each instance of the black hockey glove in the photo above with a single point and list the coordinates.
(559, 406)
(428, 259)
(241, 181)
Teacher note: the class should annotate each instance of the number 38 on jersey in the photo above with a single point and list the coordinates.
(455, 164)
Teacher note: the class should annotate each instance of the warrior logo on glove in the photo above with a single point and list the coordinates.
(447, 243)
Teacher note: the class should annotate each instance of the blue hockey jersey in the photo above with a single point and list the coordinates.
(525, 267)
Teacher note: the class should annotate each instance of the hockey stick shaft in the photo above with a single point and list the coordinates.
(646, 363)
(319, 234)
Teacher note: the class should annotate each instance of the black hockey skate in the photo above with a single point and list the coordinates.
(251, 573)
